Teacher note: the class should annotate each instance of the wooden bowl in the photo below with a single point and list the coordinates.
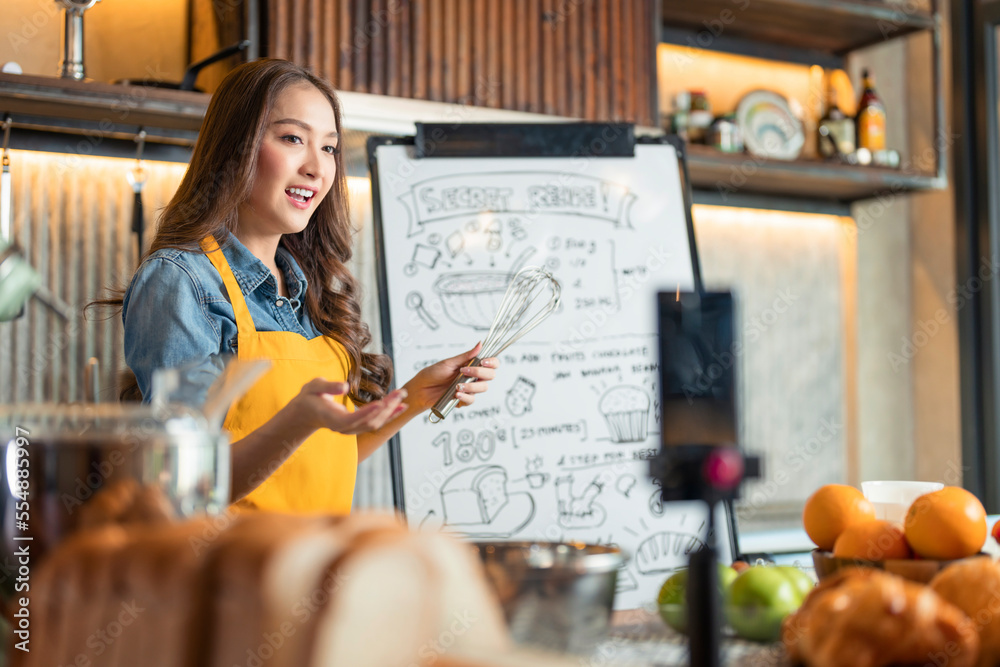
(919, 570)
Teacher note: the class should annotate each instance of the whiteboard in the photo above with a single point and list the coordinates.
(558, 449)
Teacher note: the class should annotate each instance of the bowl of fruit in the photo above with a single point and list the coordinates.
(938, 529)
(754, 600)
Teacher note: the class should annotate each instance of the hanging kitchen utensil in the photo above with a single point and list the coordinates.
(137, 179)
(17, 279)
(5, 185)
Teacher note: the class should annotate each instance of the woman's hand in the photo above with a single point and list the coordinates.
(427, 386)
(317, 408)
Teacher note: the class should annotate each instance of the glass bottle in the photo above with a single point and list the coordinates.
(871, 117)
(836, 130)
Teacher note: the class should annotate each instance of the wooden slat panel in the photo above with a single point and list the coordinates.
(405, 50)
(645, 60)
(299, 36)
(418, 19)
(318, 43)
(435, 64)
(574, 55)
(376, 30)
(463, 75)
(590, 60)
(359, 43)
(534, 20)
(278, 29)
(632, 85)
(549, 65)
(493, 52)
(480, 54)
(616, 60)
(346, 24)
(393, 64)
(559, 24)
(586, 59)
(330, 41)
(513, 42)
(603, 69)
(450, 63)
(521, 66)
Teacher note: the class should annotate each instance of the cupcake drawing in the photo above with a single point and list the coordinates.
(626, 411)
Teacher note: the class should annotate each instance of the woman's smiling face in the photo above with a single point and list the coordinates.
(296, 164)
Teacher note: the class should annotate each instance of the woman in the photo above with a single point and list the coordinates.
(266, 185)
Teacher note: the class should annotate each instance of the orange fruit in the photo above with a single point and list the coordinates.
(996, 531)
(872, 540)
(831, 509)
(946, 524)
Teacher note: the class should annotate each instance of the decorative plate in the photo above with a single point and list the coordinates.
(770, 128)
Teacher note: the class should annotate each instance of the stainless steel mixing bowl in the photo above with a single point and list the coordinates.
(555, 595)
(57, 458)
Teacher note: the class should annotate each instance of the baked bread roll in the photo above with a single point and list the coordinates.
(863, 617)
(973, 585)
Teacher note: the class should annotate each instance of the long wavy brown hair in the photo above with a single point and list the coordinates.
(219, 179)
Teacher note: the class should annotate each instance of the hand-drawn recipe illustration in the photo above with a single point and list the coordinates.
(626, 412)
(472, 298)
(415, 301)
(626, 580)
(470, 445)
(425, 255)
(519, 396)
(656, 506)
(536, 479)
(579, 511)
(455, 243)
(665, 552)
(443, 441)
(476, 503)
(625, 484)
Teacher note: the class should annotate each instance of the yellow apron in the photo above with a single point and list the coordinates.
(319, 475)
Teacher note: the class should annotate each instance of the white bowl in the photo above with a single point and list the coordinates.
(892, 499)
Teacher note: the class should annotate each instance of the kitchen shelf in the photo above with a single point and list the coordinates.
(110, 110)
(829, 26)
(722, 173)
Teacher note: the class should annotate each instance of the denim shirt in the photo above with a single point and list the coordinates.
(176, 313)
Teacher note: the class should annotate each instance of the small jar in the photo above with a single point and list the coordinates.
(725, 134)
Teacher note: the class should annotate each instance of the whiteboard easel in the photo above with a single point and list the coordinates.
(559, 448)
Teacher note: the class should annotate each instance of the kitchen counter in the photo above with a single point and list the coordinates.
(640, 639)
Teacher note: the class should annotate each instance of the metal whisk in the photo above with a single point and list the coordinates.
(531, 296)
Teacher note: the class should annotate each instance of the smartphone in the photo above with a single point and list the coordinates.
(698, 365)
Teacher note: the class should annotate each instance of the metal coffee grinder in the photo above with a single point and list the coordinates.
(71, 66)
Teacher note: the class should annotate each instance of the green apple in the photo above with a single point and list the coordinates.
(760, 598)
(672, 599)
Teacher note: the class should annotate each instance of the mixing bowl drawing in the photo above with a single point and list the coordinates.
(472, 298)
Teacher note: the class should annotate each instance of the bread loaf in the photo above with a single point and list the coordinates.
(973, 585)
(70, 591)
(863, 617)
(384, 606)
(158, 578)
(267, 589)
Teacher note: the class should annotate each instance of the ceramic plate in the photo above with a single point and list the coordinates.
(770, 128)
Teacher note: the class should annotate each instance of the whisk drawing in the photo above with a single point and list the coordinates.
(532, 295)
